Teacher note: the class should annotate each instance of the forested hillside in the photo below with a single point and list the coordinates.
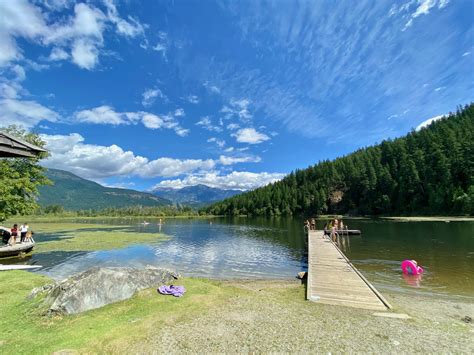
(70, 192)
(426, 172)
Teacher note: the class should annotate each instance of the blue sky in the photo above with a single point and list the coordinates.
(230, 94)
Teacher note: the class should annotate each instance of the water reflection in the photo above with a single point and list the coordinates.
(227, 248)
(413, 280)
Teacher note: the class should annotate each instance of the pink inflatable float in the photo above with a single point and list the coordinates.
(410, 267)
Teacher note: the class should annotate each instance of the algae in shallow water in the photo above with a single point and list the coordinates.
(88, 237)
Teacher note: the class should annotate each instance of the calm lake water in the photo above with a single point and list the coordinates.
(276, 248)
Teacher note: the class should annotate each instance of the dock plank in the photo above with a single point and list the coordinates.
(333, 280)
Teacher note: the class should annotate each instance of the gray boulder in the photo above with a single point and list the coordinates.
(98, 287)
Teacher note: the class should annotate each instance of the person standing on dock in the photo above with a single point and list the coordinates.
(23, 231)
(14, 234)
(313, 224)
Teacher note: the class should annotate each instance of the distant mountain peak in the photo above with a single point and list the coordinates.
(195, 195)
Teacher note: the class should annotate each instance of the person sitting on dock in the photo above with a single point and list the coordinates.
(5, 235)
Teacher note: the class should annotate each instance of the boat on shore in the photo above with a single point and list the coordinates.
(19, 248)
(16, 249)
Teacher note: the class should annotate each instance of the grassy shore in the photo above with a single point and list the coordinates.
(228, 316)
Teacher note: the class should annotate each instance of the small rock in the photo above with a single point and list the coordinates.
(467, 319)
(396, 342)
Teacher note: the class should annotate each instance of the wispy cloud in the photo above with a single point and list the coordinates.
(149, 96)
(206, 123)
(193, 99)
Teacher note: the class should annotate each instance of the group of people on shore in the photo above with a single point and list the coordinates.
(11, 237)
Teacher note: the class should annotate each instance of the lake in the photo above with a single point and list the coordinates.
(249, 248)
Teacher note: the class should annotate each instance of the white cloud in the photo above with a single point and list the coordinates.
(69, 152)
(19, 72)
(152, 121)
(107, 115)
(466, 54)
(58, 54)
(219, 142)
(233, 126)
(212, 88)
(238, 180)
(193, 99)
(443, 3)
(9, 90)
(18, 19)
(85, 54)
(250, 135)
(423, 8)
(206, 123)
(83, 31)
(179, 112)
(429, 121)
(24, 113)
(131, 28)
(174, 167)
(439, 88)
(237, 108)
(225, 160)
(150, 95)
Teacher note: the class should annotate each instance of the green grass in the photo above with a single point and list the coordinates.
(26, 330)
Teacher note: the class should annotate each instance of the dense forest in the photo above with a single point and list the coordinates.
(132, 211)
(429, 171)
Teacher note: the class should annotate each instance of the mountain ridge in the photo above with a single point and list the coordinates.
(197, 195)
(75, 193)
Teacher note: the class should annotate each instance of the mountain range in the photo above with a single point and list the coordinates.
(75, 193)
(196, 196)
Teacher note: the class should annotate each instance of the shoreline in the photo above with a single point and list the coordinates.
(43, 218)
(233, 316)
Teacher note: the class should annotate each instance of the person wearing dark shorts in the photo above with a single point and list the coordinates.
(23, 231)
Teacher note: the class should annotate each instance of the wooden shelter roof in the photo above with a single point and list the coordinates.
(12, 147)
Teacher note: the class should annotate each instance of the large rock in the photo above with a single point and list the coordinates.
(97, 287)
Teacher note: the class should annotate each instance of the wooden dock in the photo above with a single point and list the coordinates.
(332, 279)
